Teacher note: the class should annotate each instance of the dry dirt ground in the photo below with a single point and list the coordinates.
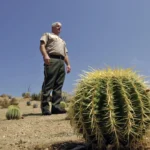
(35, 132)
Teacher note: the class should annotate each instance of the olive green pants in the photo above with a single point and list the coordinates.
(54, 76)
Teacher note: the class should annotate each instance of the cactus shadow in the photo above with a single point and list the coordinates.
(69, 145)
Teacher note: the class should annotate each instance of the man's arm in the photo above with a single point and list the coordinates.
(42, 48)
(67, 63)
(44, 53)
(67, 60)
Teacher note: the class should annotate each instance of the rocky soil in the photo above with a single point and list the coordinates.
(34, 131)
(37, 132)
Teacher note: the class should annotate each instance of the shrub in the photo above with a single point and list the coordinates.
(4, 95)
(1, 101)
(14, 101)
(26, 95)
(35, 96)
(4, 102)
(9, 96)
(111, 107)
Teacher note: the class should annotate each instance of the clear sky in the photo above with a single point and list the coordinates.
(97, 32)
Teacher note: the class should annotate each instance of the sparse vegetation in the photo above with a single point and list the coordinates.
(14, 101)
(36, 97)
(7, 100)
(4, 95)
(26, 95)
(32, 126)
(9, 96)
(4, 102)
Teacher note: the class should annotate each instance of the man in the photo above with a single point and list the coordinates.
(55, 53)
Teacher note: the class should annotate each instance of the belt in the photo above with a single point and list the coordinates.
(56, 56)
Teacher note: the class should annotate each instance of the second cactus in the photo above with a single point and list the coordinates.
(13, 112)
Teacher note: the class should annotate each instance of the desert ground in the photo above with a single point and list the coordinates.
(36, 132)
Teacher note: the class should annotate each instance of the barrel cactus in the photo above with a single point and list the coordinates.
(111, 107)
(63, 105)
(35, 105)
(13, 112)
(28, 103)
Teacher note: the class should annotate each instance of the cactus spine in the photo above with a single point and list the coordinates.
(13, 112)
(111, 107)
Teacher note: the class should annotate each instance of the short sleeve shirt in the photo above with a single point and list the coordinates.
(54, 44)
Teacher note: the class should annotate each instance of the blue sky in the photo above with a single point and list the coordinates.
(97, 32)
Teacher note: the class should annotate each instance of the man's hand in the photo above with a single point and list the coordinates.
(68, 68)
(46, 59)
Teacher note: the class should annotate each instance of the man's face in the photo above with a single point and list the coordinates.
(57, 29)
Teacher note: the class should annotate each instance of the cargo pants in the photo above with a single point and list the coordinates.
(54, 76)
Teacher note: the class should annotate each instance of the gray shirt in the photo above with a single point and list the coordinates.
(54, 44)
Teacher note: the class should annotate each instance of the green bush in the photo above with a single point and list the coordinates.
(4, 95)
(111, 107)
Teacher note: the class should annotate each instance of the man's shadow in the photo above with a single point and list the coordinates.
(32, 114)
(70, 145)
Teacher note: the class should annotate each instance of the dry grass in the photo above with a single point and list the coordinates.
(4, 102)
